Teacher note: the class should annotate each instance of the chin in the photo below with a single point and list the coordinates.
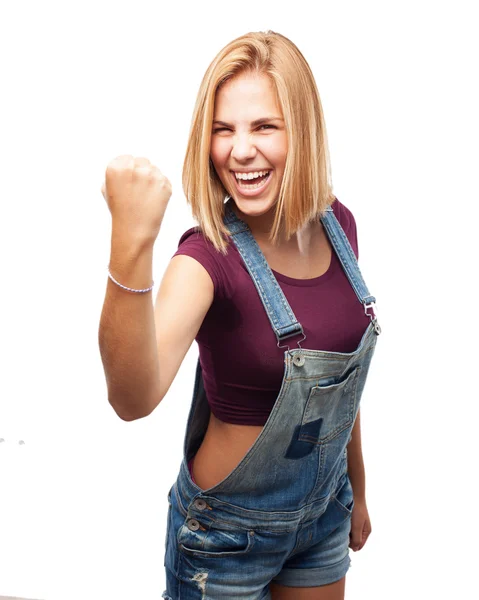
(253, 206)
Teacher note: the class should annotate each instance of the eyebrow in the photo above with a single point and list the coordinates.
(254, 123)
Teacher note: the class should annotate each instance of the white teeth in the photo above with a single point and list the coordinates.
(247, 184)
(254, 175)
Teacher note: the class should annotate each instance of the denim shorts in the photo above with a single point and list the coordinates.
(230, 553)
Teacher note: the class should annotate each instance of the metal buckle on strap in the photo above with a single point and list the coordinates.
(374, 319)
(298, 359)
(291, 335)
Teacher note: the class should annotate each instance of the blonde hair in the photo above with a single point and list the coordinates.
(306, 188)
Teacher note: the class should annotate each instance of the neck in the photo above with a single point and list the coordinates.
(300, 242)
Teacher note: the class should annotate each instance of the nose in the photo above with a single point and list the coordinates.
(243, 147)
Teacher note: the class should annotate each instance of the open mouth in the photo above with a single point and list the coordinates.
(249, 182)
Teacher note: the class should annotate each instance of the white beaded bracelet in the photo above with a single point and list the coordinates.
(127, 288)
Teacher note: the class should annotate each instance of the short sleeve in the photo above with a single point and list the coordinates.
(193, 243)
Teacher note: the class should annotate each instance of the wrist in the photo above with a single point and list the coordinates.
(131, 263)
(128, 289)
(130, 244)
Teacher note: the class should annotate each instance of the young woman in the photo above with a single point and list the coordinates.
(271, 490)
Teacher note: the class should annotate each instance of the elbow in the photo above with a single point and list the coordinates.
(124, 413)
(132, 412)
(127, 417)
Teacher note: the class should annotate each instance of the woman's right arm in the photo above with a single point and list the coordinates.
(142, 346)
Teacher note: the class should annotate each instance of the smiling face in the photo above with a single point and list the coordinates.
(249, 143)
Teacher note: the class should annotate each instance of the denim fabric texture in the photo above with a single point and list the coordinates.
(284, 513)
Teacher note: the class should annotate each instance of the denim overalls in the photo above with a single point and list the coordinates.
(284, 513)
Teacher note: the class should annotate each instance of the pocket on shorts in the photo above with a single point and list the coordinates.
(330, 410)
(215, 543)
(344, 496)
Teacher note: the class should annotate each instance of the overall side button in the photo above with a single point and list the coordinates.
(194, 525)
(298, 359)
(200, 504)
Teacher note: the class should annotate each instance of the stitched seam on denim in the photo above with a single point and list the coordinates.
(281, 297)
(260, 440)
(279, 293)
(325, 567)
(277, 290)
(362, 355)
(327, 388)
(219, 553)
(315, 377)
(266, 527)
(353, 401)
(319, 475)
(337, 230)
(255, 527)
(346, 510)
(188, 550)
(340, 428)
(322, 441)
(345, 264)
(182, 509)
(297, 544)
(336, 233)
(257, 283)
(355, 276)
(250, 513)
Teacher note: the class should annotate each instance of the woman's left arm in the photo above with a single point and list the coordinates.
(360, 521)
(355, 462)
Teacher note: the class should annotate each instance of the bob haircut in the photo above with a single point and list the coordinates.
(306, 188)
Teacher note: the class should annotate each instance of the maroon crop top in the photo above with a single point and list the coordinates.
(241, 364)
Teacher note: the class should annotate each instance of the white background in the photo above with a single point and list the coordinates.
(83, 499)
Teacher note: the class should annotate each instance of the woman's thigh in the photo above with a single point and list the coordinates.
(331, 591)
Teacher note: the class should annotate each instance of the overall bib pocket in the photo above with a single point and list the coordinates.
(330, 409)
(214, 543)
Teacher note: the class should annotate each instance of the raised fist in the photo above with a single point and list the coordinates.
(137, 195)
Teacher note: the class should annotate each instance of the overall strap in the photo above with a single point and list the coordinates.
(348, 260)
(280, 314)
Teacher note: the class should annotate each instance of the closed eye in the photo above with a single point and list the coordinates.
(227, 128)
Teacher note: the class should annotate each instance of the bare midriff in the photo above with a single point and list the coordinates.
(225, 444)
(222, 449)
